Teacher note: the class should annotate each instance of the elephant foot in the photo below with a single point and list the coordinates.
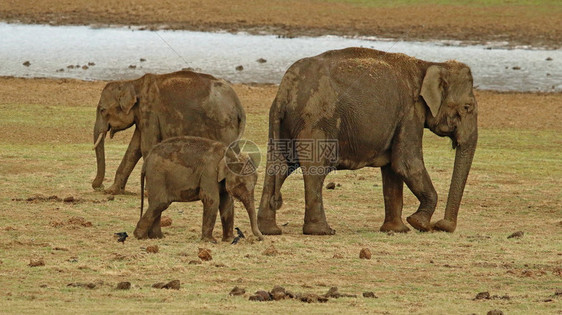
(228, 238)
(115, 190)
(445, 225)
(420, 221)
(398, 227)
(269, 228)
(155, 234)
(317, 229)
(209, 239)
(140, 234)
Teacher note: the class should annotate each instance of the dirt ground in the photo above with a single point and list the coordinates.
(57, 249)
(480, 21)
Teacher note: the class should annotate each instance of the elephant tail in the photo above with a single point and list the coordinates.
(241, 123)
(143, 173)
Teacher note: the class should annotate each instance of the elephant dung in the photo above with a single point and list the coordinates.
(270, 251)
(237, 291)
(125, 285)
(365, 253)
(205, 254)
(495, 312)
(483, 296)
(153, 249)
(278, 293)
(36, 262)
(369, 295)
(173, 285)
(517, 234)
(331, 185)
(165, 221)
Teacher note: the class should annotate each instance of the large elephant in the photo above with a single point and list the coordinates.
(371, 107)
(182, 103)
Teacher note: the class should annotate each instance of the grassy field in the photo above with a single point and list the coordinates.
(475, 3)
(45, 148)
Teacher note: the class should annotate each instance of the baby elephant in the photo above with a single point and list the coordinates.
(191, 169)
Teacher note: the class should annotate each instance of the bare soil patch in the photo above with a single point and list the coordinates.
(518, 24)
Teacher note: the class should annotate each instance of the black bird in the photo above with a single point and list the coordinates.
(122, 236)
(240, 234)
(235, 240)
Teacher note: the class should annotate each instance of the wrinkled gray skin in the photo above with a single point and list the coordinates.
(161, 107)
(190, 169)
(376, 105)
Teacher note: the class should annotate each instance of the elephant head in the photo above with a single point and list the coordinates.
(452, 110)
(240, 175)
(114, 113)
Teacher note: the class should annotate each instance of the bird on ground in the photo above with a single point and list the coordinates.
(240, 234)
(121, 237)
(235, 240)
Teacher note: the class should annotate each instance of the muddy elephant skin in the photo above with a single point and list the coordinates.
(185, 169)
(375, 105)
(182, 103)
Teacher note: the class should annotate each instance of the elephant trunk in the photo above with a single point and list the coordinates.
(463, 162)
(251, 209)
(100, 130)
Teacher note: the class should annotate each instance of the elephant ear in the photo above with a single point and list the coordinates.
(432, 89)
(127, 98)
(221, 170)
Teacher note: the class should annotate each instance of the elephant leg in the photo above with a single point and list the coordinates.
(156, 230)
(149, 219)
(226, 209)
(132, 156)
(267, 220)
(393, 200)
(420, 184)
(315, 222)
(210, 210)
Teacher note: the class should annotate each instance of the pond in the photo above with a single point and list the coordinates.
(88, 53)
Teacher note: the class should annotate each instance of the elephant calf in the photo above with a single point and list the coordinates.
(191, 169)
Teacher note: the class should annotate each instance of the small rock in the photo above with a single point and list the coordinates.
(68, 199)
(84, 67)
(265, 295)
(270, 251)
(153, 249)
(60, 70)
(257, 298)
(110, 198)
(494, 312)
(331, 185)
(278, 293)
(82, 285)
(237, 291)
(239, 68)
(338, 185)
(194, 262)
(132, 67)
(165, 221)
(220, 265)
(548, 59)
(261, 60)
(36, 262)
(517, 234)
(70, 67)
(369, 295)
(142, 60)
(483, 296)
(125, 285)
(91, 63)
(337, 256)
(365, 253)
(205, 254)
(172, 285)
(516, 68)
(27, 63)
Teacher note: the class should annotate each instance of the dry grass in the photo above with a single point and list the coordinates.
(45, 148)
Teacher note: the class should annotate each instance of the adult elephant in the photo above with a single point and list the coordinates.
(182, 103)
(375, 106)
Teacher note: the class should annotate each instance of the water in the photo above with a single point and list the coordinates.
(113, 50)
